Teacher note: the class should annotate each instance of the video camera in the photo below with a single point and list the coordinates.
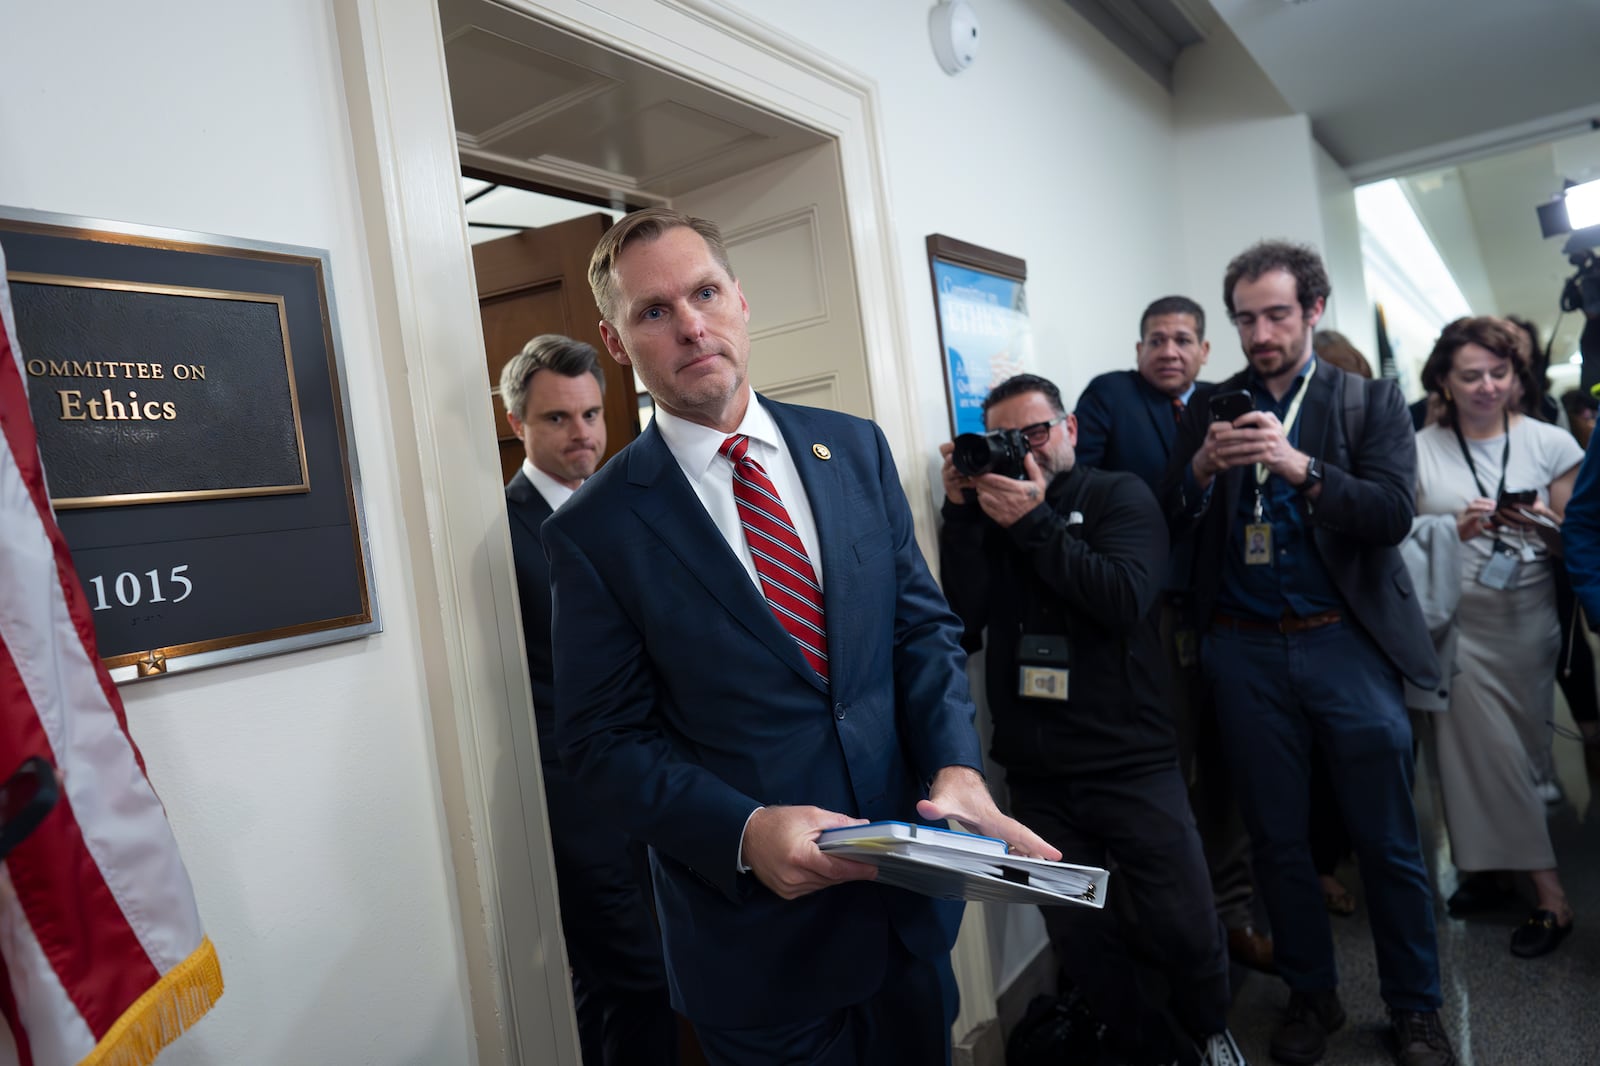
(1582, 291)
(999, 451)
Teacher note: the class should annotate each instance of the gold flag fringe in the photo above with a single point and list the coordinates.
(160, 1016)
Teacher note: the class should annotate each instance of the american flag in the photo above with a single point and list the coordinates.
(102, 958)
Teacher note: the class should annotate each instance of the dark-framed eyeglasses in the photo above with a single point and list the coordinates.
(1037, 434)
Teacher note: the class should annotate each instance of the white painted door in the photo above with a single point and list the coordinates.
(785, 227)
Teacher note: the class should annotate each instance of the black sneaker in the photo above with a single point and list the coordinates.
(1302, 1037)
(1420, 1039)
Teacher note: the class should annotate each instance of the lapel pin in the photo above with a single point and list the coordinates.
(821, 451)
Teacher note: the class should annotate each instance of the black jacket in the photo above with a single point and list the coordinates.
(1101, 577)
(1364, 511)
(526, 510)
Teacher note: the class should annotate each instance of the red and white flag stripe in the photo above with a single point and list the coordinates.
(102, 958)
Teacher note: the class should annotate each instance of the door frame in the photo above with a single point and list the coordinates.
(424, 297)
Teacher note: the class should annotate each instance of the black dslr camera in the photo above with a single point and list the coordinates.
(999, 452)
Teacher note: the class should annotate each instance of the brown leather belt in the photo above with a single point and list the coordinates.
(1287, 624)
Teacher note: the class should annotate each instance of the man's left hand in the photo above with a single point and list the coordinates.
(959, 792)
(1005, 499)
(1264, 441)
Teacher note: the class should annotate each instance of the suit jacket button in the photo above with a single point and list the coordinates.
(839, 709)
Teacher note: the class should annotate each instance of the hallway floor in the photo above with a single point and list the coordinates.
(1499, 1010)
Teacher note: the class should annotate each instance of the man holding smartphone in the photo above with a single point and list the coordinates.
(1063, 568)
(1296, 508)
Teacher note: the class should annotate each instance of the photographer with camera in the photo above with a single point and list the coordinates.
(1063, 564)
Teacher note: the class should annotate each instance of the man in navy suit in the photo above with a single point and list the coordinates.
(552, 392)
(727, 739)
(1128, 421)
(1306, 641)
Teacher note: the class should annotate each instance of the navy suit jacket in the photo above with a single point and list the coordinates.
(1358, 520)
(684, 705)
(1125, 423)
(526, 511)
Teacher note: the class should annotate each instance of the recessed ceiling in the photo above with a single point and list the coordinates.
(1392, 87)
(536, 103)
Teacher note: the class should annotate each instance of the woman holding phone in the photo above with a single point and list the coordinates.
(1506, 478)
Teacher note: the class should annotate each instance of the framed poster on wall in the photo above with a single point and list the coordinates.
(187, 392)
(984, 333)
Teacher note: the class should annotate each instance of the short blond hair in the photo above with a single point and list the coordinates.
(646, 226)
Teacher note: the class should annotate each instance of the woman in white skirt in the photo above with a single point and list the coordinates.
(1507, 479)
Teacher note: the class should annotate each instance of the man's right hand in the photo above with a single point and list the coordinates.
(955, 482)
(1211, 459)
(780, 847)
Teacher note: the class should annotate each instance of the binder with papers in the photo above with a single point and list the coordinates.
(949, 865)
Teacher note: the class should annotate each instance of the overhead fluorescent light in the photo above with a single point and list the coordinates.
(1583, 205)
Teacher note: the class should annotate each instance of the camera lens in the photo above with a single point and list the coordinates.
(973, 455)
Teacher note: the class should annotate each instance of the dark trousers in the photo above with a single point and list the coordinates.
(1276, 695)
(906, 1023)
(1141, 821)
(1575, 667)
(619, 982)
(1205, 770)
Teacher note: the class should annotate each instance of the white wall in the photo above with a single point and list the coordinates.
(302, 788)
(1349, 309)
(1247, 172)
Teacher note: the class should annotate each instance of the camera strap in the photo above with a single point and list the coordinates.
(1505, 456)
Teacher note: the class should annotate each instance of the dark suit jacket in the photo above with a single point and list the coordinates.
(684, 705)
(1364, 511)
(526, 510)
(1125, 423)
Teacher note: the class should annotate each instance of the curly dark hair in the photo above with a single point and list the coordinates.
(1504, 339)
(1300, 260)
(1021, 383)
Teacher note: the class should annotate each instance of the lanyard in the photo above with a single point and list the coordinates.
(1288, 424)
(1505, 457)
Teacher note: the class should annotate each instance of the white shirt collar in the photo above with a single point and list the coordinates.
(696, 446)
(553, 491)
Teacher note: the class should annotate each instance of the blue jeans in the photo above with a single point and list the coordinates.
(1275, 693)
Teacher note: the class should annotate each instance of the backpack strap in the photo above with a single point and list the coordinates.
(1353, 400)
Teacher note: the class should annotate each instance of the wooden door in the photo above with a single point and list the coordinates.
(537, 282)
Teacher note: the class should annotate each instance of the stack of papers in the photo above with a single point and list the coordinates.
(950, 865)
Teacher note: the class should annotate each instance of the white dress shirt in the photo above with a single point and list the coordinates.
(553, 491)
(711, 476)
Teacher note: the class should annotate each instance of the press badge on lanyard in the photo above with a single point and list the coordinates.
(1043, 661)
(1258, 534)
(1500, 572)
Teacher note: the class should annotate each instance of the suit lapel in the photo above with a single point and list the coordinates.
(824, 484)
(1316, 421)
(527, 503)
(669, 508)
(1159, 408)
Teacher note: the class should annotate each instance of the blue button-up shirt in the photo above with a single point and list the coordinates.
(1296, 583)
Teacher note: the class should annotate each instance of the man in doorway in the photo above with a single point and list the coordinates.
(1307, 640)
(1063, 568)
(1128, 420)
(749, 650)
(552, 391)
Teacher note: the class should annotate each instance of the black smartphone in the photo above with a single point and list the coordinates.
(1510, 500)
(1227, 406)
(25, 798)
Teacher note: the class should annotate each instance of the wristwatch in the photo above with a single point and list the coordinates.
(1313, 474)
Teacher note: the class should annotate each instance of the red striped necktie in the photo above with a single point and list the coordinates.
(788, 579)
